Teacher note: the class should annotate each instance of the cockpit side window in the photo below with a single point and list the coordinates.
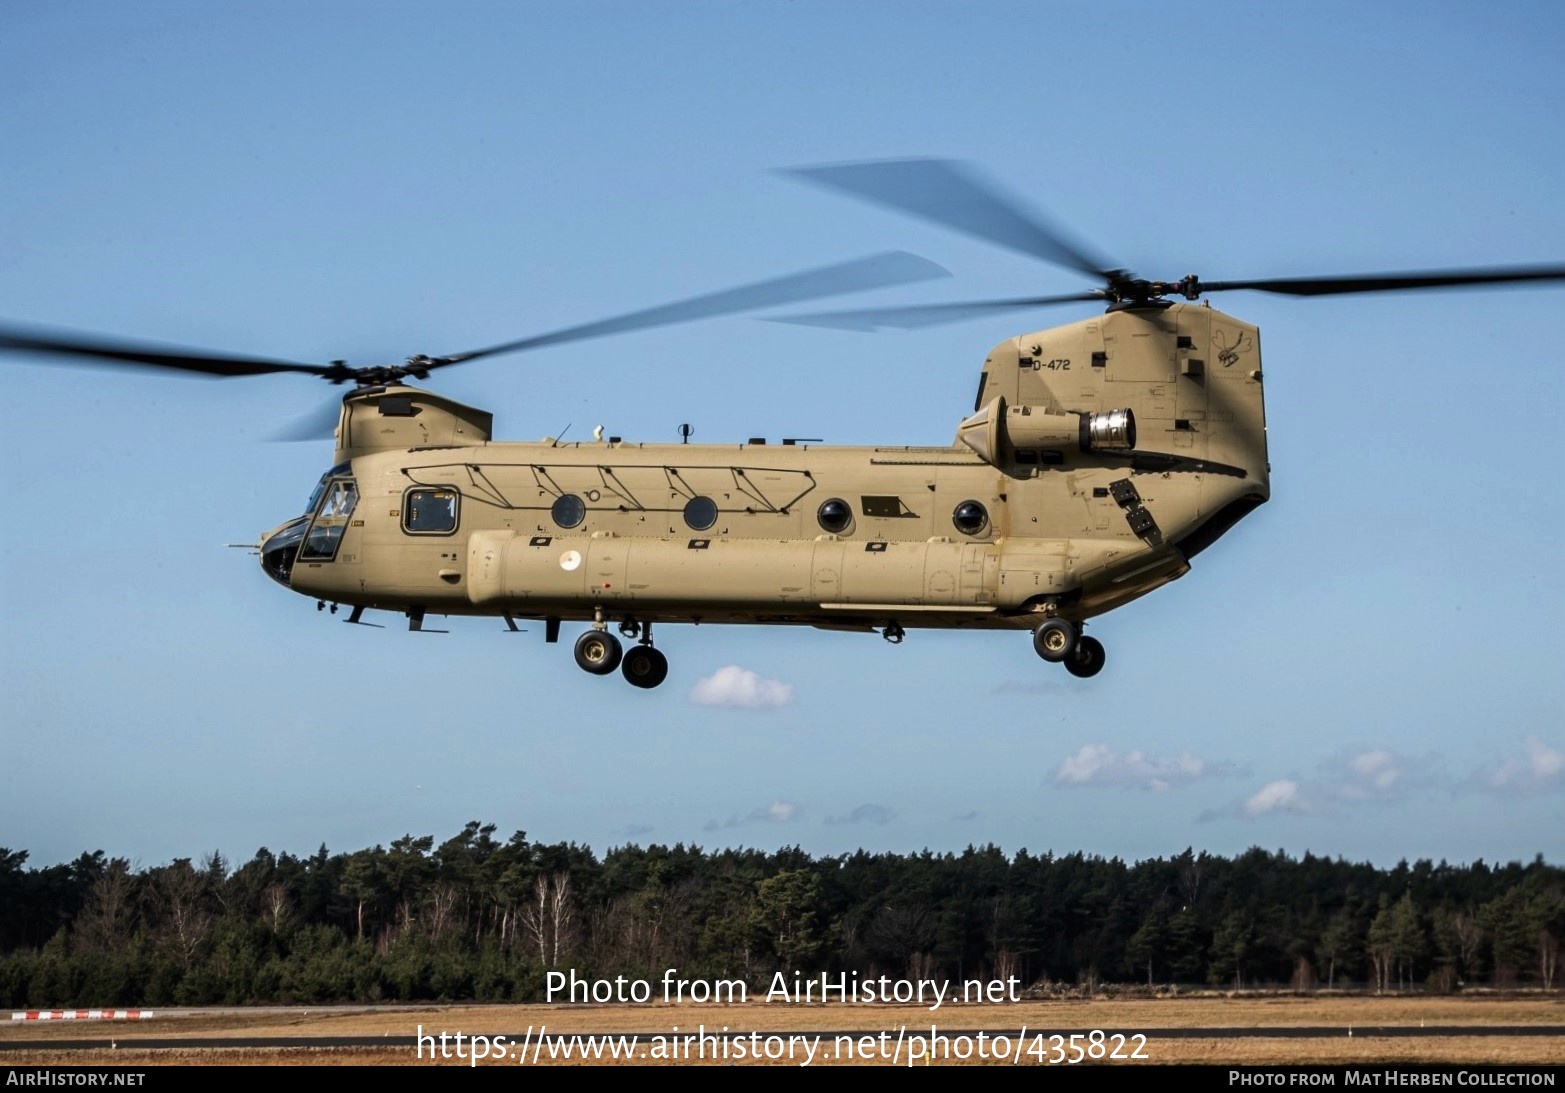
(331, 520)
(430, 511)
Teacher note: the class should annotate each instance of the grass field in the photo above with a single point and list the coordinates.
(1354, 1016)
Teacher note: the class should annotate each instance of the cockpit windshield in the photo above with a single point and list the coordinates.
(320, 487)
(336, 500)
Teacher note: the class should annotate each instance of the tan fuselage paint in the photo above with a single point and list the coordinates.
(1056, 539)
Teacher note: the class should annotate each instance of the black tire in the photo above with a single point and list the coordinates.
(1054, 640)
(598, 652)
(1088, 659)
(644, 667)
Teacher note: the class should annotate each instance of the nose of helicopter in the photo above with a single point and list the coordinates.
(279, 548)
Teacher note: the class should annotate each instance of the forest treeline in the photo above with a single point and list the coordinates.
(478, 918)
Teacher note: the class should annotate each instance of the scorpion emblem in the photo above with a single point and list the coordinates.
(1228, 353)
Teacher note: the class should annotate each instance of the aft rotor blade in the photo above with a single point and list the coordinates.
(1393, 282)
(877, 271)
(101, 351)
(953, 195)
(917, 316)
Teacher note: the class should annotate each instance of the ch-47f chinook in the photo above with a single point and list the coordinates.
(1101, 457)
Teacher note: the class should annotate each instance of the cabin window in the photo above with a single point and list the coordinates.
(429, 511)
(700, 513)
(568, 510)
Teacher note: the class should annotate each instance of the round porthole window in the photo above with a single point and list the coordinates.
(970, 518)
(568, 510)
(700, 513)
(836, 515)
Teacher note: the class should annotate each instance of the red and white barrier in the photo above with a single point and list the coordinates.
(81, 1015)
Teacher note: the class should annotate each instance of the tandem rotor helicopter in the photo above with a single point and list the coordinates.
(1101, 457)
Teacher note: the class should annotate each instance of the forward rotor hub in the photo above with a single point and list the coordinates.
(1126, 291)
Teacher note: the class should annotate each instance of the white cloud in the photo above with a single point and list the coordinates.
(1543, 767)
(1100, 765)
(740, 687)
(1376, 774)
(1276, 796)
(1348, 779)
(1370, 764)
(778, 812)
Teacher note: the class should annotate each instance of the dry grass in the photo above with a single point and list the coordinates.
(1358, 1013)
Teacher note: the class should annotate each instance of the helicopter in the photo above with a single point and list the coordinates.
(1100, 458)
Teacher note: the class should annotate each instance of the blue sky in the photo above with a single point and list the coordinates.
(1369, 666)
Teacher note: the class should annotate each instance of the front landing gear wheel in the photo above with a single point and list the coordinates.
(1054, 640)
(598, 652)
(1088, 659)
(644, 667)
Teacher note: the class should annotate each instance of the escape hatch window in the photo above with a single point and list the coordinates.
(331, 519)
(429, 511)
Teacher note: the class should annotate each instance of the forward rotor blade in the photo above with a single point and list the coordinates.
(877, 271)
(952, 195)
(1393, 282)
(319, 424)
(917, 316)
(97, 351)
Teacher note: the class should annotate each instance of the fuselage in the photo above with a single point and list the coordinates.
(1018, 518)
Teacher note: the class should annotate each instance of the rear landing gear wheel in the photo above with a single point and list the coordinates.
(598, 652)
(644, 667)
(1055, 640)
(1088, 659)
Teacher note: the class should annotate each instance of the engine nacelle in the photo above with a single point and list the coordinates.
(996, 431)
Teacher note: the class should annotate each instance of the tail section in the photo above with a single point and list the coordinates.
(1190, 377)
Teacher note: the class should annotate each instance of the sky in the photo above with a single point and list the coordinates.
(1370, 666)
